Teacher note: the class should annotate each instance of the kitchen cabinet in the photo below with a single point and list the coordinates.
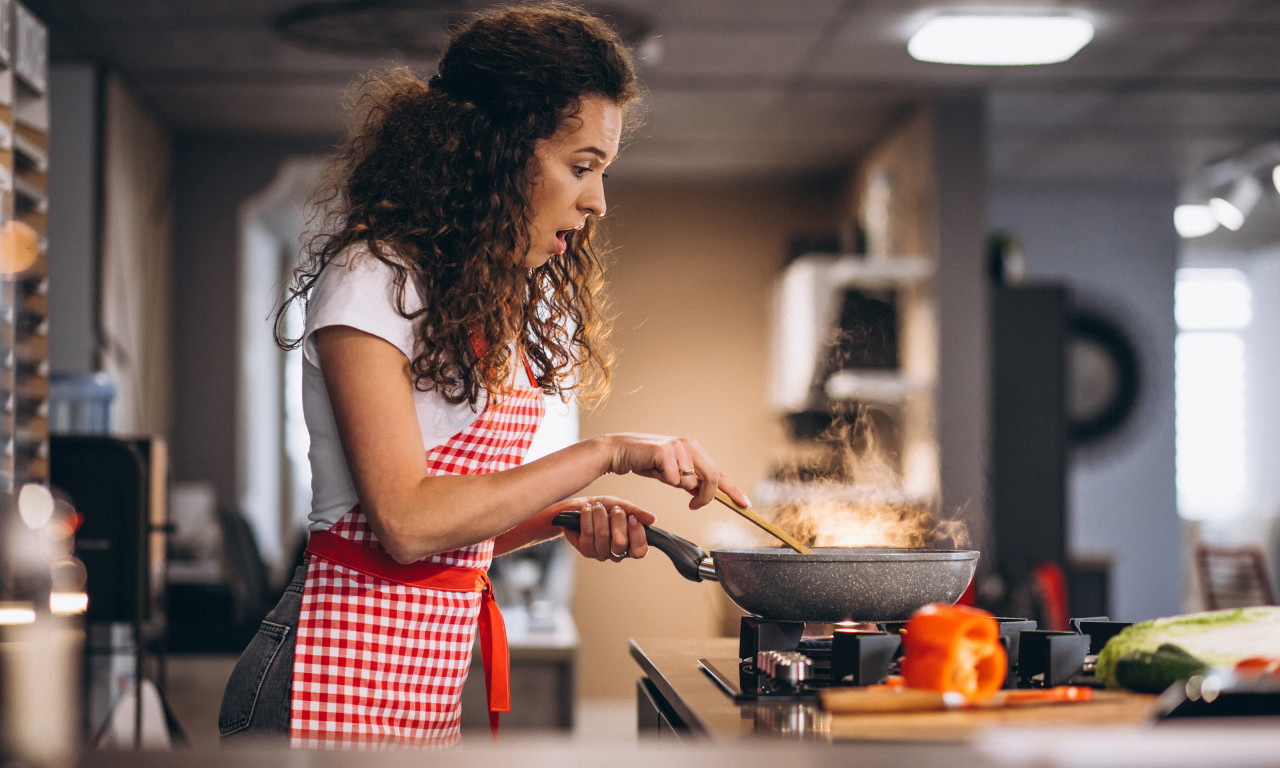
(1029, 429)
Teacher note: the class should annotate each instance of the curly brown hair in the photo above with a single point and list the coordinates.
(435, 180)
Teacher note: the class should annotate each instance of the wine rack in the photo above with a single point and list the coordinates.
(24, 282)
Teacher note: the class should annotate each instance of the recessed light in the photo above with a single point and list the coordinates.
(999, 39)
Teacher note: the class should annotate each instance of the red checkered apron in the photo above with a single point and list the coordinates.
(383, 649)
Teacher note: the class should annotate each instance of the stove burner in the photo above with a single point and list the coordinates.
(786, 669)
(792, 661)
(862, 658)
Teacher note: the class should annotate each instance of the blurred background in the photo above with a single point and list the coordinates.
(1059, 370)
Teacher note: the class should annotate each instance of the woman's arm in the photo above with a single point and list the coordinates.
(415, 515)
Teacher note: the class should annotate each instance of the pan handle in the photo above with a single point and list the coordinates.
(689, 558)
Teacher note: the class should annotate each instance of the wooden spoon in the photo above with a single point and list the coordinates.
(769, 527)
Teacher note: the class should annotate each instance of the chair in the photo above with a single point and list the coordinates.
(1233, 577)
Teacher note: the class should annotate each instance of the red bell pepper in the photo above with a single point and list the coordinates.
(954, 648)
(1258, 665)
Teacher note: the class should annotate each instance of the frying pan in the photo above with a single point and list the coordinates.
(833, 584)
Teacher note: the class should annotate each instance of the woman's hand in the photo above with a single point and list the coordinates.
(677, 461)
(610, 528)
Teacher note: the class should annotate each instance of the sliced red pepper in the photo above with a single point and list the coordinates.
(954, 648)
(1258, 665)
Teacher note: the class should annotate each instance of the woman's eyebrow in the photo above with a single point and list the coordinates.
(594, 151)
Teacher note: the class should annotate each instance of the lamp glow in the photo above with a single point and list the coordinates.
(35, 505)
(68, 603)
(1275, 177)
(1227, 214)
(999, 40)
(1194, 220)
(1235, 207)
(17, 613)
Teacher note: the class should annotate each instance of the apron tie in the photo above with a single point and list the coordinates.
(494, 652)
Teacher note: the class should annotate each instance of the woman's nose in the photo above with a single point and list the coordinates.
(593, 200)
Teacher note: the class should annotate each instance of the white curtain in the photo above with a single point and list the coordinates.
(136, 226)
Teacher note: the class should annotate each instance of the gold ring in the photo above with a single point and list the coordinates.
(687, 472)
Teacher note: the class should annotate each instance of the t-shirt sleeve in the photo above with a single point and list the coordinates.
(360, 293)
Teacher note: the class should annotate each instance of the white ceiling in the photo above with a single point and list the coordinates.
(776, 87)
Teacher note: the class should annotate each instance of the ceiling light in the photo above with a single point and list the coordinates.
(1194, 220)
(1000, 40)
(1235, 207)
(1275, 177)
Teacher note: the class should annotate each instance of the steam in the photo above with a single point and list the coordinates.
(849, 493)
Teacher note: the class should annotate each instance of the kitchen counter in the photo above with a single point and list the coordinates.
(678, 700)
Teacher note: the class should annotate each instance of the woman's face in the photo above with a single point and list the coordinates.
(569, 184)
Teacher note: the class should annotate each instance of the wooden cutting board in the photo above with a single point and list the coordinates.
(1108, 707)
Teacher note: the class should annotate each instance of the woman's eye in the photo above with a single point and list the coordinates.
(581, 170)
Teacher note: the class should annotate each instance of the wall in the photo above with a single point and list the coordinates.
(74, 191)
(963, 389)
(1116, 250)
(212, 178)
(691, 278)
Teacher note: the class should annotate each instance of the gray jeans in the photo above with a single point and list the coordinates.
(259, 691)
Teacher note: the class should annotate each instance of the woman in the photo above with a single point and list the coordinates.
(453, 284)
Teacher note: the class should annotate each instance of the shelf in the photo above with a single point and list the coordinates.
(874, 386)
(24, 162)
(37, 219)
(36, 304)
(27, 149)
(31, 195)
(30, 50)
(33, 389)
(854, 271)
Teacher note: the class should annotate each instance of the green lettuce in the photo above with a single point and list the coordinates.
(1153, 655)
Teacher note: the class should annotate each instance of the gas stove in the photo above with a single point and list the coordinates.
(794, 661)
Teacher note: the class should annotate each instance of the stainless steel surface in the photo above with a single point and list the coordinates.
(671, 665)
(790, 669)
(838, 584)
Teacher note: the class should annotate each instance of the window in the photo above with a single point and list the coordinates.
(1212, 307)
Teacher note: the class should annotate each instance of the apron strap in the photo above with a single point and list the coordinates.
(490, 626)
(479, 346)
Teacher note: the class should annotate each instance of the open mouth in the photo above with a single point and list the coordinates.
(562, 240)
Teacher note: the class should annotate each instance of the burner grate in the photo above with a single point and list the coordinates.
(868, 654)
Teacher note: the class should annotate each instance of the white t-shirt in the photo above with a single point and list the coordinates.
(356, 290)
